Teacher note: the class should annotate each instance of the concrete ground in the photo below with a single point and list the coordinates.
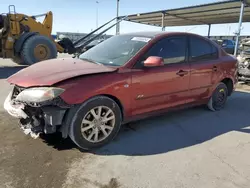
(192, 148)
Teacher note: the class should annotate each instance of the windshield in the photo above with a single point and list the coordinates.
(95, 42)
(115, 51)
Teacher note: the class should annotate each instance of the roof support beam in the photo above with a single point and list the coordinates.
(117, 18)
(162, 21)
(239, 27)
(209, 28)
(174, 15)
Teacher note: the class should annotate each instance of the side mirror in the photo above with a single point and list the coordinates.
(153, 61)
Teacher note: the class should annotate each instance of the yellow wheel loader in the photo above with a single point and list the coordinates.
(27, 41)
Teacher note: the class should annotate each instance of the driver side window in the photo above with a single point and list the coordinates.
(171, 49)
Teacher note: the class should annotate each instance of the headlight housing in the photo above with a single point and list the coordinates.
(39, 94)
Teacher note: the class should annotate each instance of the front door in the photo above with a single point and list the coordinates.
(157, 88)
(203, 61)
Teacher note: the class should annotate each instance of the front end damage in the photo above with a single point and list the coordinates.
(244, 67)
(244, 62)
(36, 117)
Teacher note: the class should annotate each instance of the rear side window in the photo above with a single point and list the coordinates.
(172, 50)
(201, 49)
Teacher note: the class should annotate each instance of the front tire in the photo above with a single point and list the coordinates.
(218, 98)
(96, 123)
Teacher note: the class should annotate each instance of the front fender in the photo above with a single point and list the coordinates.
(78, 90)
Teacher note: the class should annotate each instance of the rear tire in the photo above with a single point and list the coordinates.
(218, 98)
(84, 124)
(38, 48)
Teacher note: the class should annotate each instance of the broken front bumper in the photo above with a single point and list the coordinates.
(35, 120)
(15, 110)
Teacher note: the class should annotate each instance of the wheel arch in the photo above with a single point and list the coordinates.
(69, 114)
(229, 84)
(117, 101)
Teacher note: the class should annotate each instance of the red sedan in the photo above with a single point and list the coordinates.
(125, 78)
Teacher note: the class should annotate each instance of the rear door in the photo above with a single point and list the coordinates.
(157, 88)
(203, 59)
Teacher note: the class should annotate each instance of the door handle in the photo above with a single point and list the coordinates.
(182, 73)
(215, 68)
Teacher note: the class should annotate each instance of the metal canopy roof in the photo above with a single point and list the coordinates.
(213, 13)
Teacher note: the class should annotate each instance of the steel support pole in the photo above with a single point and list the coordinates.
(162, 22)
(117, 16)
(209, 28)
(97, 3)
(239, 28)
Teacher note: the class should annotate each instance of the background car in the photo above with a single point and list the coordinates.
(227, 44)
(125, 78)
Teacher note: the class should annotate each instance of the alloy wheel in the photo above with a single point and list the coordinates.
(97, 124)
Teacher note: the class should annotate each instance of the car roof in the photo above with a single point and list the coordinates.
(153, 34)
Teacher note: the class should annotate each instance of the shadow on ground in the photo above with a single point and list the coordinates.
(26, 162)
(174, 130)
(6, 71)
(57, 142)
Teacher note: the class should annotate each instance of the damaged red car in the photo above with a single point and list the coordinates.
(125, 78)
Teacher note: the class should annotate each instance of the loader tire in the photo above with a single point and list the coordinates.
(38, 48)
(18, 60)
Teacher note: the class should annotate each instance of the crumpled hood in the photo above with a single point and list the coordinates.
(49, 72)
